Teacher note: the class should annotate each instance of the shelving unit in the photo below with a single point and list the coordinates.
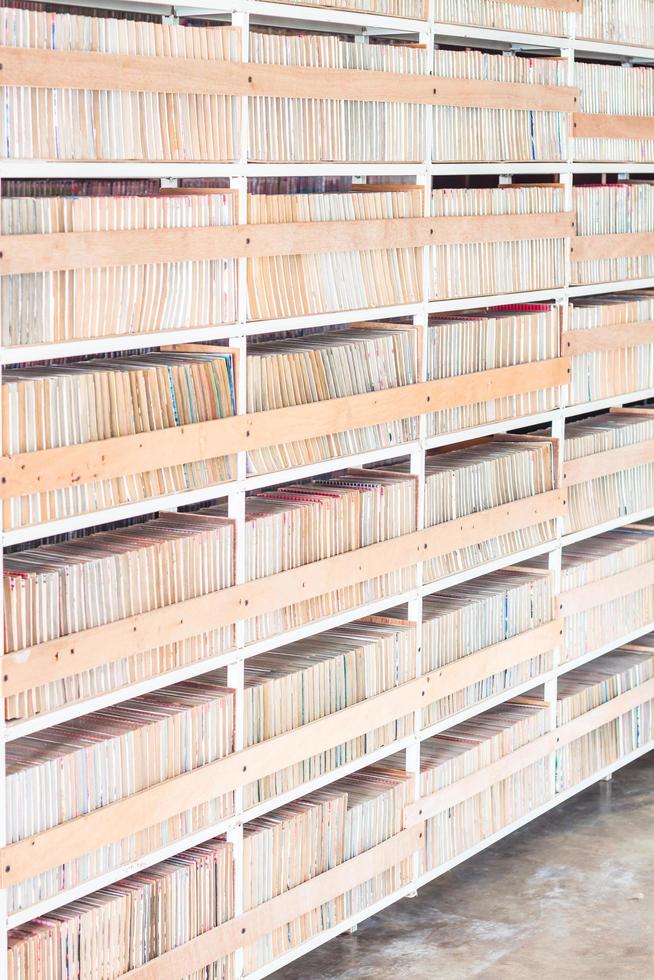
(237, 435)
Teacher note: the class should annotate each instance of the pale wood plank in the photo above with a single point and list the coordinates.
(260, 921)
(637, 410)
(602, 464)
(602, 126)
(38, 68)
(141, 810)
(65, 466)
(572, 6)
(608, 338)
(463, 789)
(90, 648)
(87, 249)
(607, 589)
(587, 247)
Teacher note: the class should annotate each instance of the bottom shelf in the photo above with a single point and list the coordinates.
(411, 889)
(477, 783)
(602, 714)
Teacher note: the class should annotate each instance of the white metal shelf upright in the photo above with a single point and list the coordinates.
(417, 457)
(4, 905)
(236, 499)
(558, 421)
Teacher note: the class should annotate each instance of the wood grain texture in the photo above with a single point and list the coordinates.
(176, 795)
(38, 68)
(606, 589)
(429, 806)
(585, 247)
(601, 126)
(572, 6)
(67, 466)
(613, 337)
(68, 655)
(21, 254)
(603, 464)
(250, 926)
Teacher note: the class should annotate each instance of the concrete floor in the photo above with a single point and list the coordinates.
(568, 897)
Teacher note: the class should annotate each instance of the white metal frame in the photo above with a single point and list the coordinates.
(361, 25)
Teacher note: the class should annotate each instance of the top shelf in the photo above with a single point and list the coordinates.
(260, 11)
(319, 17)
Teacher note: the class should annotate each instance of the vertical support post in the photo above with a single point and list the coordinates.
(239, 184)
(421, 321)
(4, 907)
(551, 685)
(361, 38)
(558, 419)
(555, 557)
(236, 499)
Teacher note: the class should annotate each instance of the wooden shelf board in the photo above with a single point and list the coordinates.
(614, 337)
(22, 254)
(612, 461)
(68, 655)
(607, 589)
(586, 248)
(65, 466)
(604, 126)
(76, 837)
(527, 754)
(85, 70)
